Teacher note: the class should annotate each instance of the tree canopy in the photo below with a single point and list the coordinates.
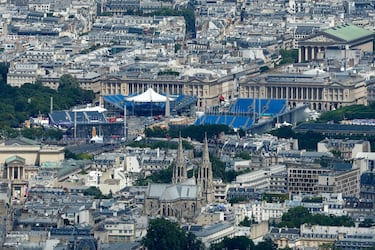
(194, 132)
(308, 140)
(297, 216)
(289, 56)
(349, 113)
(243, 243)
(20, 103)
(163, 234)
(94, 191)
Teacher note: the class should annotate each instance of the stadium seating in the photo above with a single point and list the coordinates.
(241, 105)
(58, 117)
(225, 119)
(259, 105)
(240, 114)
(116, 100)
(67, 117)
(199, 121)
(275, 107)
(249, 123)
(239, 121)
(211, 119)
(93, 116)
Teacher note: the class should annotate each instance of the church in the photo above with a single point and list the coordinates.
(183, 198)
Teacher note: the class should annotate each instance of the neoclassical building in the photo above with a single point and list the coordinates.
(15, 174)
(184, 197)
(322, 90)
(32, 152)
(204, 84)
(340, 42)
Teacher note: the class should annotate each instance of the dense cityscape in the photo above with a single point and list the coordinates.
(197, 124)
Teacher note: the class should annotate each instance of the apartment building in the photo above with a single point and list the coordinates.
(303, 178)
(347, 149)
(345, 182)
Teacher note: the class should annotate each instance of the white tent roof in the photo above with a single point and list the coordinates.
(149, 96)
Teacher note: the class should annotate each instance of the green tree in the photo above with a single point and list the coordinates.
(68, 81)
(266, 245)
(94, 191)
(368, 222)
(162, 176)
(244, 155)
(19, 103)
(177, 47)
(238, 242)
(246, 222)
(297, 216)
(289, 56)
(163, 234)
(4, 67)
(238, 199)
(348, 113)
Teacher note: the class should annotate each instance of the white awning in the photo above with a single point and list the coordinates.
(149, 96)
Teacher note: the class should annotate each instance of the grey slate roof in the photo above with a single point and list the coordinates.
(168, 192)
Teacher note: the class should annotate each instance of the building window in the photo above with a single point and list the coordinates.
(15, 173)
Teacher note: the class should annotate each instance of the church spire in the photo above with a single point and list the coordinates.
(179, 171)
(205, 178)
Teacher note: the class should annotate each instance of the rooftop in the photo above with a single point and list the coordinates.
(348, 32)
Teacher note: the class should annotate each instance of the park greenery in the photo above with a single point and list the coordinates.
(244, 155)
(306, 140)
(246, 222)
(94, 191)
(31, 100)
(297, 216)
(163, 234)
(289, 56)
(32, 133)
(275, 197)
(161, 176)
(238, 199)
(81, 156)
(194, 132)
(348, 113)
(243, 243)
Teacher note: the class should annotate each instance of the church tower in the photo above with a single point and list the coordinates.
(179, 171)
(205, 176)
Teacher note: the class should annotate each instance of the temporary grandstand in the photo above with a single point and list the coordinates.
(151, 103)
(244, 113)
(79, 123)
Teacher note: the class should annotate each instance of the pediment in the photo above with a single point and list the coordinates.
(336, 84)
(320, 39)
(113, 78)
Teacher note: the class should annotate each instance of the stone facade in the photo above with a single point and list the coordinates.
(184, 197)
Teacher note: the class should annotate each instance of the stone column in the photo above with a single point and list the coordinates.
(307, 54)
(300, 51)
